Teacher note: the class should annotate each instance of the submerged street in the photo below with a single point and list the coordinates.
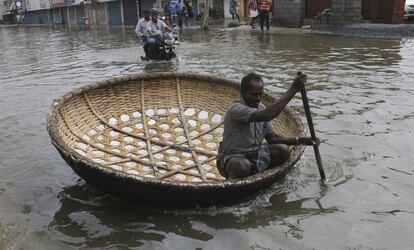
(361, 95)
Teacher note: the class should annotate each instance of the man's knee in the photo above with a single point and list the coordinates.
(279, 153)
(238, 167)
(151, 41)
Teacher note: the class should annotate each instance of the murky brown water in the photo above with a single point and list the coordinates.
(361, 93)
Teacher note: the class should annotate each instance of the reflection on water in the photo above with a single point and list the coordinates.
(361, 96)
(156, 67)
(90, 215)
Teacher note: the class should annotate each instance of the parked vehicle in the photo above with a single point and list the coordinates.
(409, 9)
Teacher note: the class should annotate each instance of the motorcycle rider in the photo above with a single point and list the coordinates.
(156, 30)
(142, 31)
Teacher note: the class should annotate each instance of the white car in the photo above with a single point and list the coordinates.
(409, 9)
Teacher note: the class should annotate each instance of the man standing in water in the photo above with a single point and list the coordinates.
(247, 122)
(233, 10)
(253, 12)
(264, 9)
(167, 13)
(179, 9)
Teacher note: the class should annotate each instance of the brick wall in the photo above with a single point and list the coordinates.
(386, 11)
(314, 7)
(291, 12)
(366, 9)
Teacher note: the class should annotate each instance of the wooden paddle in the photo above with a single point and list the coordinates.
(312, 130)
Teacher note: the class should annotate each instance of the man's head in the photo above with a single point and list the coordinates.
(154, 15)
(146, 14)
(251, 89)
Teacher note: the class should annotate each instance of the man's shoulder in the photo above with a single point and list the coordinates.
(162, 23)
(142, 21)
(237, 106)
(237, 102)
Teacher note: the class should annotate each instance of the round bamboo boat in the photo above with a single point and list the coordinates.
(154, 138)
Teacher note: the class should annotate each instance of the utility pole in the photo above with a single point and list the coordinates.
(204, 26)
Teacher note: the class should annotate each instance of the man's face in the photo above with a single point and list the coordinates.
(253, 95)
(154, 17)
(147, 16)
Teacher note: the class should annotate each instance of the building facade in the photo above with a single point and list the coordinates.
(127, 12)
(93, 12)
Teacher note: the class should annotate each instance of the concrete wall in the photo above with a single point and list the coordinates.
(289, 12)
(2, 9)
(72, 20)
(39, 17)
(89, 14)
(346, 11)
(366, 9)
(101, 14)
(36, 5)
(314, 7)
(57, 16)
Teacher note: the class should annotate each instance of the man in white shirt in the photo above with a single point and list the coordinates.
(156, 29)
(142, 29)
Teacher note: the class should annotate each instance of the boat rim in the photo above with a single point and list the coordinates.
(78, 159)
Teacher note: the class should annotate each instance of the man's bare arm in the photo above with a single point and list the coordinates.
(273, 138)
(278, 106)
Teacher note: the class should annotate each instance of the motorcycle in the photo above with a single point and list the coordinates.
(164, 48)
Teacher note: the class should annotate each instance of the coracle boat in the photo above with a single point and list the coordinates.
(154, 138)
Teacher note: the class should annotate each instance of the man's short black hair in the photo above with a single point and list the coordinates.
(146, 12)
(246, 80)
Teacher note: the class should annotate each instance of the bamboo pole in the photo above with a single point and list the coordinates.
(312, 130)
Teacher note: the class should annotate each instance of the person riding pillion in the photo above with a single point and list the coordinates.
(247, 123)
(142, 30)
(156, 29)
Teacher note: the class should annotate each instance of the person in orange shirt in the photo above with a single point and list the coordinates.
(264, 9)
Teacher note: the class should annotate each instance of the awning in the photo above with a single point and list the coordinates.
(57, 3)
(78, 2)
(104, 1)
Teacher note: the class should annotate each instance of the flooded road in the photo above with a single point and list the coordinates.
(362, 96)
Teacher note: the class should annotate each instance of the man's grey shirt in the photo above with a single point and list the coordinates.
(240, 134)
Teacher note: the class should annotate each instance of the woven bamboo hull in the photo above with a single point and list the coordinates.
(115, 166)
(170, 195)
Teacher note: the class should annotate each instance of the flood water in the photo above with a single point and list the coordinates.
(362, 96)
